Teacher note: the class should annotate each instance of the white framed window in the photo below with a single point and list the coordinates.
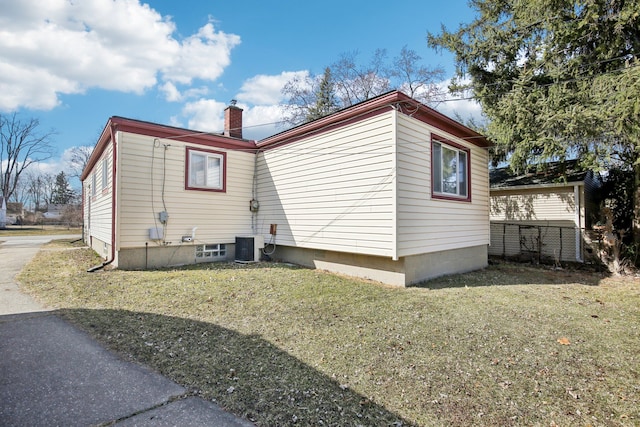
(211, 251)
(105, 173)
(205, 170)
(450, 170)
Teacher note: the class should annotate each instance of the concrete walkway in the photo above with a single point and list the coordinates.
(53, 374)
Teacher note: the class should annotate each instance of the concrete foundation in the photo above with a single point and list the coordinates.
(154, 256)
(406, 271)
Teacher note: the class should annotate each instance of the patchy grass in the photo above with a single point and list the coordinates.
(280, 345)
(38, 230)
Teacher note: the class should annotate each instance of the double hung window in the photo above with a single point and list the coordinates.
(450, 170)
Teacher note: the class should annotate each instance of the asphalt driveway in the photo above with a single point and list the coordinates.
(54, 374)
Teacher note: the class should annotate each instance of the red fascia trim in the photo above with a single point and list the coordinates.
(101, 145)
(326, 128)
(434, 118)
(442, 196)
(188, 164)
(179, 134)
(348, 115)
(162, 131)
(370, 108)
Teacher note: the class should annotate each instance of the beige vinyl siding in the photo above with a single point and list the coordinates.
(146, 191)
(333, 191)
(429, 225)
(537, 221)
(556, 206)
(100, 204)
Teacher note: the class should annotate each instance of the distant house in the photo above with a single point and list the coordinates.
(559, 197)
(388, 189)
(55, 211)
(3, 212)
(15, 212)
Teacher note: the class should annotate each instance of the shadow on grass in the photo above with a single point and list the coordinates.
(498, 273)
(245, 374)
(514, 274)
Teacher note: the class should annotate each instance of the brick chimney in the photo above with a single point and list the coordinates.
(233, 121)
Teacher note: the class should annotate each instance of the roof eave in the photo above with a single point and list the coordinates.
(537, 186)
(380, 103)
(161, 131)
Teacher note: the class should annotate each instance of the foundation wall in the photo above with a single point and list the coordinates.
(405, 271)
(164, 256)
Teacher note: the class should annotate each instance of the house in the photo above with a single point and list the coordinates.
(388, 189)
(3, 212)
(544, 211)
(15, 212)
(55, 211)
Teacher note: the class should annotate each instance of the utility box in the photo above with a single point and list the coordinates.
(248, 248)
(156, 233)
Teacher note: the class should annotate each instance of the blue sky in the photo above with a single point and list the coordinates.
(73, 64)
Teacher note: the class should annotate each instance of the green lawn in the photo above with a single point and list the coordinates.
(280, 345)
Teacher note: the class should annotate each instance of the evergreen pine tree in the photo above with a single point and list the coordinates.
(325, 98)
(63, 194)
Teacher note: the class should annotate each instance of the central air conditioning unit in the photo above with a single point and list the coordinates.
(248, 249)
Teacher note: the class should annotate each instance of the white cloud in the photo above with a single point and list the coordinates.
(205, 115)
(267, 90)
(204, 55)
(260, 98)
(462, 108)
(208, 115)
(459, 106)
(261, 121)
(171, 92)
(62, 47)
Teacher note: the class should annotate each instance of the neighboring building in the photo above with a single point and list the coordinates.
(3, 212)
(55, 211)
(544, 211)
(15, 212)
(388, 189)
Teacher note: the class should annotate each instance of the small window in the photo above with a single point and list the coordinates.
(205, 170)
(450, 171)
(105, 173)
(94, 183)
(218, 250)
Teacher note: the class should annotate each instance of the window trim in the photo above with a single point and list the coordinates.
(94, 183)
(223, 158)
(436, 139)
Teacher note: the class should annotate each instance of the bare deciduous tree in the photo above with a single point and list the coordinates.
(301, 93)
(21, 145)
(356, 82)
(79, 158)
(418, 81)
(352, 81)
(40, 187)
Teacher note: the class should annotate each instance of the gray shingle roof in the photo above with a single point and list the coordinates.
(550, 173)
